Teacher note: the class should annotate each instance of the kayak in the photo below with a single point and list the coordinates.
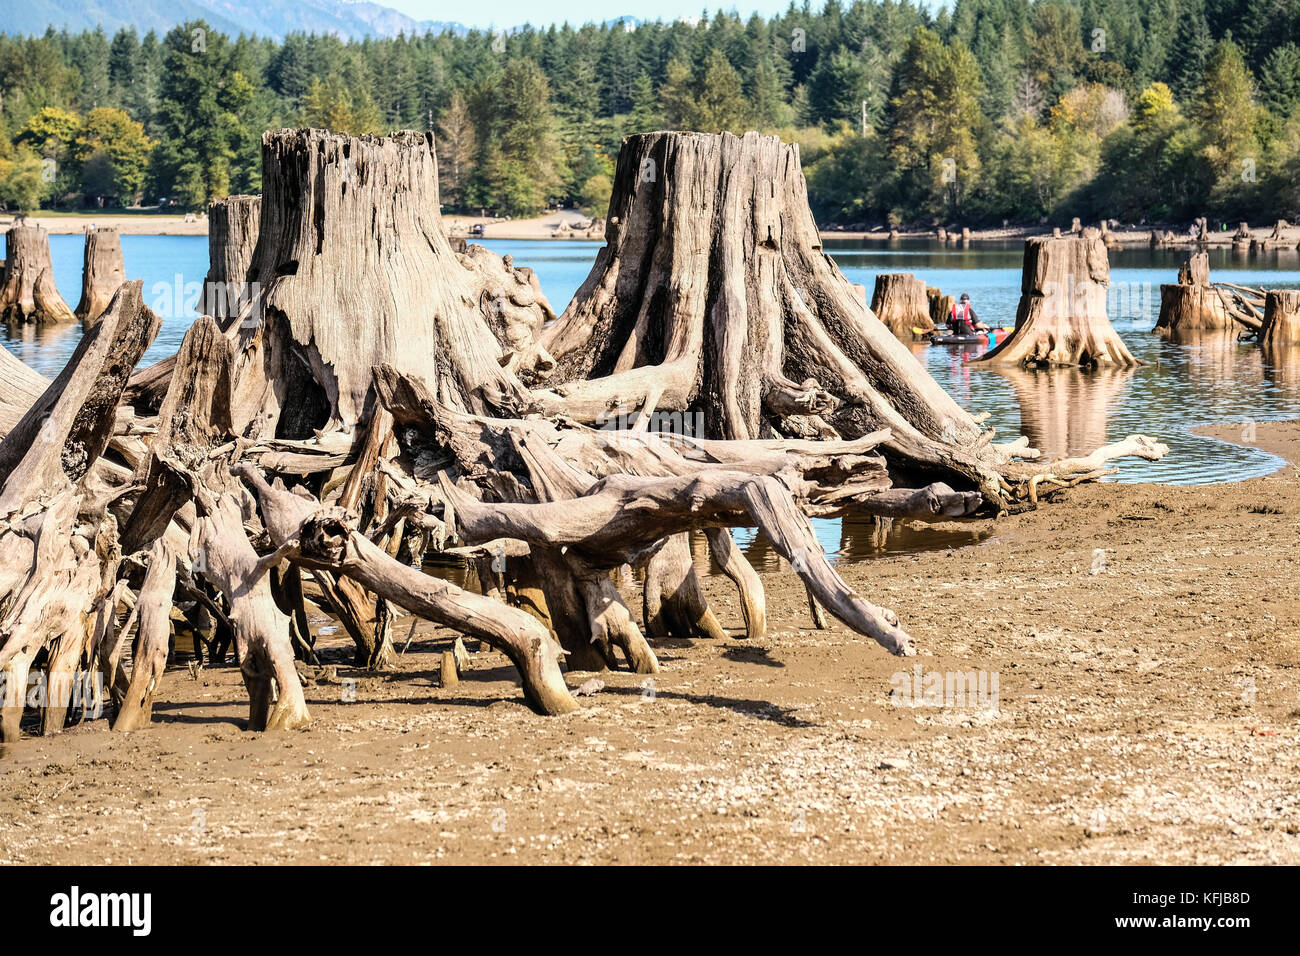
(958, 339)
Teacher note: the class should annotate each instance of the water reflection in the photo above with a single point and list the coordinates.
(34, 344)
(1282, 365)
(1066, 412)
(856, 538)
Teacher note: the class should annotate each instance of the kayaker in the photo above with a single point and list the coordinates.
(963, 320)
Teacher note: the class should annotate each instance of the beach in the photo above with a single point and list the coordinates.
(548, 227)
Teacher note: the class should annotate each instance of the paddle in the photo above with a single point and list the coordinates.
(917, 331)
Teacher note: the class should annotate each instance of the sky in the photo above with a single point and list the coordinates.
(508, 13)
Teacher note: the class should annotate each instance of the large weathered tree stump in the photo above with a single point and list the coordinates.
(27, 290)
(1281, 318)
(103, 271)
(1192, 303)
(1062, 317)
(900, 301)
(354, 269)
(713, 297)
(234, 224)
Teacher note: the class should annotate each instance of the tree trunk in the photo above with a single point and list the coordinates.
(900, 301)
(1281, 319)
(102, 273)
(27, 290)
(233, 227)
(1193, 303)
(1062, 318)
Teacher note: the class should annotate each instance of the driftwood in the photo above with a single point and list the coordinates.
(56, 537)
(221, 552)
(1062, 318)
(324, 539)
(103, 271)
(27, 290)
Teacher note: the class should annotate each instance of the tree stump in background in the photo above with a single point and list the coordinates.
(27, 290)
(1192, 303)
(1281, 318)
(900, 301)
(233, 227)
(1062, 318)
(103, 271)
(940, 306)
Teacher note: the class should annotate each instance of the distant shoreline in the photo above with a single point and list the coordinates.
(543, 228)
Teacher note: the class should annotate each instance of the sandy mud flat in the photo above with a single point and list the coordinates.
(1147, 709)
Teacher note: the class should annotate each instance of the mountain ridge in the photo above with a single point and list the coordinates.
(268, 18)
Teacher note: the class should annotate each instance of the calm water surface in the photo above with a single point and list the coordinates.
(1063, 412)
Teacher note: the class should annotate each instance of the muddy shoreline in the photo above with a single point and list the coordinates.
(1147, 711)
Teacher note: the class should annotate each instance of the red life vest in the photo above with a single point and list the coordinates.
(962, 323)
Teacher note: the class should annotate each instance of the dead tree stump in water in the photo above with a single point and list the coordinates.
(1281, 319)
(27, 290)
(103, 271)
(233, 227)
(1062, 318)
(940, 307)
(900, 301)
(1192, 303)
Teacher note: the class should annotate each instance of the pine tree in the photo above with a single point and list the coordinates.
(455, 150)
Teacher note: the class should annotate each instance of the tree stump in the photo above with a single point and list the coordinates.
(900, 301)
(1192, 303)
(1062, 318)
(233, 227)
(940, 306)
(713, 297)
(27, 290)
(103, 271)
(1281, 318)
(353, 269)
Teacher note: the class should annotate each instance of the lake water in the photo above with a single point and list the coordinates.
(1063, 411)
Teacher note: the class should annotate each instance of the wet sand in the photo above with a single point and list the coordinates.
(1148, 710)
